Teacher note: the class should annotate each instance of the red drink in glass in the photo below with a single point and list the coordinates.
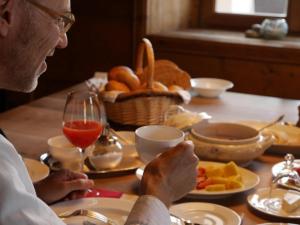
(82, 133)
(83, 121)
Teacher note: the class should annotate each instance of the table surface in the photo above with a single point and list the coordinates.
(29, 126)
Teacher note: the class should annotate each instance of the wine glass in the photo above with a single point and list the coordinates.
(83, 121)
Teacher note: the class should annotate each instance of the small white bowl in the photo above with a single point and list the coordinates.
(152, 140)
(210, 87)
(66, 153)
(61, 149)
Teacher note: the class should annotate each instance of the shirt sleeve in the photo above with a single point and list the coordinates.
(148, 210)
(18, 202)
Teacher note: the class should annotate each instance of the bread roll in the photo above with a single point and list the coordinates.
(158, 86)
(174, 88)
(114, 85)
(168, 73)
(125, 75)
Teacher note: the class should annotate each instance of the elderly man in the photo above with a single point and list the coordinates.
(30, 31)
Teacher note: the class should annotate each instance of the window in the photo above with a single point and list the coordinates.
(253, 7)
(241, 14)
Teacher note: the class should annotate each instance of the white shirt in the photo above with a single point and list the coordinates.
(20, 205)
(148, 210)
(18, 201)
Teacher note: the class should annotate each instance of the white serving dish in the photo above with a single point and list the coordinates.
(229, 142)
(210, 87)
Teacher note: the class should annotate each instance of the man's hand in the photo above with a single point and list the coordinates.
(62, 184)
(171, 175)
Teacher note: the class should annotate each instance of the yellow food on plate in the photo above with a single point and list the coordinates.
(219, 180)
(215, 187)
(213, 171)
(219, 177)
(233, 184)
(236, 178)
(230, 169)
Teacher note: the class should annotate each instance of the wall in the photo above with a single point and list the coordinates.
(103, 36)
(165, 15)
(255, 66)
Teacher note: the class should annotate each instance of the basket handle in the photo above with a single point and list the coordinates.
(146, 44)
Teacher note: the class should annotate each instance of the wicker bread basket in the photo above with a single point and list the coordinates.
(142, 107)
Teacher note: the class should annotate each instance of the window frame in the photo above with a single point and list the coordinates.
(210, 19)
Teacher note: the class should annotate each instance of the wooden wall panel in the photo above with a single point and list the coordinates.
(263, 78)
(163, 15)
(248, 76)
(271, 69)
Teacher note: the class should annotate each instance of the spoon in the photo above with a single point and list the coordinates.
(271, 123)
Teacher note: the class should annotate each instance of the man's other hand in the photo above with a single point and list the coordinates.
(171, 175)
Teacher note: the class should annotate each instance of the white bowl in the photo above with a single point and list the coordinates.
(66, 153)
(60, 148)
(210, 87)
(152, 140)
(229, 142)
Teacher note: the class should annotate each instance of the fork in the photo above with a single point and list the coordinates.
(87, 213)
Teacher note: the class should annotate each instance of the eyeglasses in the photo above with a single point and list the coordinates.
(64, 21)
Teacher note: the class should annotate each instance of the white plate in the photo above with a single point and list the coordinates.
(276, 224)
(250, 180)
(37, 170)
(262, 202)
(206, 213)
(284, 181)
(287, 137)
(115, 209)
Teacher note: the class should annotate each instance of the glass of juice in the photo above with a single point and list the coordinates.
(83, 120)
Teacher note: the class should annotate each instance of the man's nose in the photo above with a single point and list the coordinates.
(63, 41)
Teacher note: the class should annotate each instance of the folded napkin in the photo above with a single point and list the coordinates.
(102, 193)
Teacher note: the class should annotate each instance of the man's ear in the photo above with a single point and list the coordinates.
(5, 16)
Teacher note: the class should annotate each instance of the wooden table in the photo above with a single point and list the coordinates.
(29, 126)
